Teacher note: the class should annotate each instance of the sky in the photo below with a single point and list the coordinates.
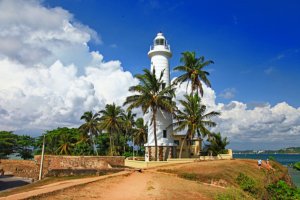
(59, 58)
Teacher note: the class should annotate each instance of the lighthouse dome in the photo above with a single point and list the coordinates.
(160, 46)
(160, 39)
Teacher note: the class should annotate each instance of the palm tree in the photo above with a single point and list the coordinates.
(217, 143)
(193, 72)
(193, 118)
(66, 143)
(128, 124)
(140, 132)
(151, 95)
(91, 126)
(111, 120)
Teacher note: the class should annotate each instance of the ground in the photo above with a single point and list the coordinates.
(198, 180)
(137, 185)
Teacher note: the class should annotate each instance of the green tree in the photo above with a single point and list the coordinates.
(8, 144)
(140, 132)
(128, 125)
(111, 120)
(193, 118)
(25, 145)
(104, 145)
(62, 141)
(91, 126)
(217, 143)
(193, 71)
(150, 94)
(67, 141)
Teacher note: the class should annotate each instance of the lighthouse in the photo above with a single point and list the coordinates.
(159, 54)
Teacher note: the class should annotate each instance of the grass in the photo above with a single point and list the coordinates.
(225, 173)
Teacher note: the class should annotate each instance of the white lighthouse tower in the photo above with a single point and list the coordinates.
(160, 54)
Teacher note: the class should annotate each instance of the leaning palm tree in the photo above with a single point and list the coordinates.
(91, 126)
(111, 120)
(193, 71)
(150, 94)
(193, 118)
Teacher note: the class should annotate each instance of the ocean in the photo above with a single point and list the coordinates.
(284, 159)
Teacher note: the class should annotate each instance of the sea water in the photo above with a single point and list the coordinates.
(284, 159)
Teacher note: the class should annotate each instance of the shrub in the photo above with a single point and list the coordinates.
(231, 194)
(297, 166)
(246, 183)
(282, 191)
(189, 176)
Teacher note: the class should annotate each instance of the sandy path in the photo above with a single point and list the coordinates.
(136, 186)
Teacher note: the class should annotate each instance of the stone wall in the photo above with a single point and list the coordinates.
(79, 162)
(21, 168)
(30, 168)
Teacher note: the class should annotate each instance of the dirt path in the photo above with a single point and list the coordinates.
(147, 185)
(54, 187)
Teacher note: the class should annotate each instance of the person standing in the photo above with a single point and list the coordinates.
(259, 163)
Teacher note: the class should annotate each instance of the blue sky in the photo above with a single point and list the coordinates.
(255, 44)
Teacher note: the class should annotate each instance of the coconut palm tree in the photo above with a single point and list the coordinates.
(128, 124)
(66, 143)
(193, 118)
(150, 94)
(140, 132)
(91, 126)
(217, 143)
(193, 71)
(111, 120)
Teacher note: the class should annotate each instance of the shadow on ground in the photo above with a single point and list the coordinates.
(8, 182)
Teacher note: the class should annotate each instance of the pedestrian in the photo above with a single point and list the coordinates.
(259, 163)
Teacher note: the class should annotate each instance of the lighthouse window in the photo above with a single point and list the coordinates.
(163, 85)
(164, 133)
(160, 42)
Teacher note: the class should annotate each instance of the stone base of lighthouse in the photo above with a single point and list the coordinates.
(163, 153)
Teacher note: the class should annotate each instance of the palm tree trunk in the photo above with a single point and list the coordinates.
(94, 145)
(93, 141)
(154, 132)
(181, 147)
(110, 144)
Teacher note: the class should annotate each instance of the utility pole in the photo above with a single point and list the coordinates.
(42, 159)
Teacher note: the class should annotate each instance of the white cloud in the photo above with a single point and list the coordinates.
(48, 76)
(263, 126)
(33, 34)
(228, 93)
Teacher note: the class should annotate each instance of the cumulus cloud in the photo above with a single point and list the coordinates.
(29, 32)
(261, 126)
(48, 76)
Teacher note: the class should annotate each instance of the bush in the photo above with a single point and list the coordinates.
(282, 191)
(297, 166)
(246, 183)
(231, 194)
(189, 176)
